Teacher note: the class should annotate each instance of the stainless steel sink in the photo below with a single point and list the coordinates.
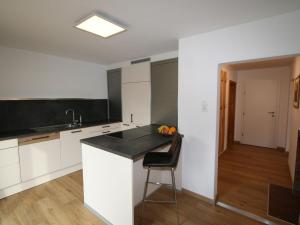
(56, 127)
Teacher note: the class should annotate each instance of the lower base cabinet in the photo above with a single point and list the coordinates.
(9, 164)
(26, 160)
(9, 176)
(71, 147)
(38, 159)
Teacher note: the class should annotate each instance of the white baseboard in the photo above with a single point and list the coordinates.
(97, 214)
(37, 181)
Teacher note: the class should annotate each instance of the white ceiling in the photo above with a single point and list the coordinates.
(154, 26)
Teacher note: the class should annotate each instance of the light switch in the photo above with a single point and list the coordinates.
(204, 106)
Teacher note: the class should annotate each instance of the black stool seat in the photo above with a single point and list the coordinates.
(165, 159)
(159, 159)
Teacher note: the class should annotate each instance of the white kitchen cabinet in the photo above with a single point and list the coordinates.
(9, 156)
(39, 156)
(9, 163)
(9, 143)
(139, 72)
(9, 175)
(71, 147)
(127, 126)
(103, 129)
(70, 141)
(136, 103)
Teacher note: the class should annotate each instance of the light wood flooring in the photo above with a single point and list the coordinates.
(60, 202)
(245, 173)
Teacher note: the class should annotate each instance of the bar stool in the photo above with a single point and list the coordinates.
(167, 160)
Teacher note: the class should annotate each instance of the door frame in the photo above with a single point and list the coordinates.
(222, 114)
(229, 116)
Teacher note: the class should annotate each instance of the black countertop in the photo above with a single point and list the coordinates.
(132, 143)
(43, 130)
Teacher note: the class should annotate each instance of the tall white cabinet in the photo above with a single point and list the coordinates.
(136, 94)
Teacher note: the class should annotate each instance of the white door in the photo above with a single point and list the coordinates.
(259, 117)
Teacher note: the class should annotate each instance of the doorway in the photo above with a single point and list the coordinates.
(257, 101)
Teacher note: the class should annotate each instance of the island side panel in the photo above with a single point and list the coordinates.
(108, 185)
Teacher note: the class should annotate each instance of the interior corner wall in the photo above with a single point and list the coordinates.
(27, 74)
(200, 57)
(294, 123)
(282, 75)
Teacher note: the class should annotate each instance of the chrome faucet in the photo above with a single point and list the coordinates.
(74, 122)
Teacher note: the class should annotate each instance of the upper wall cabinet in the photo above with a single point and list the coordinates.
(136, 94)
(139, 72)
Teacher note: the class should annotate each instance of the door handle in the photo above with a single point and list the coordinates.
(272, 114)
(131, 118)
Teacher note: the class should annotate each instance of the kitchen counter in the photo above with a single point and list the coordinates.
(132, 143)
(113, 172)
(49, 129)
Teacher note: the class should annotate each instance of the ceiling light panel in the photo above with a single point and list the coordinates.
(100, 26)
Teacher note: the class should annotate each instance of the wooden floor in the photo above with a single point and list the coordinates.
(245, 173)
(60, 202)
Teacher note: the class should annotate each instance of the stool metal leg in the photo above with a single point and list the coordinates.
(175, 194)
(145, 195)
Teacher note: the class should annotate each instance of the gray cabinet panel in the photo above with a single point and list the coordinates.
(114, 94)
(164, 91)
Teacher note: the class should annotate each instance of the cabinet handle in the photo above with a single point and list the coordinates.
(125, 124)
(105, 132)
(76, 131)
(106, 126)
(38, 138)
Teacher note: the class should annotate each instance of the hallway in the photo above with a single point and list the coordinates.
(245, 173)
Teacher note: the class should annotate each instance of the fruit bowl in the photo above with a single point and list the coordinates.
(166, 131)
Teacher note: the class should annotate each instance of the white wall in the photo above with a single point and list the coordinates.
(282, 75)
(26, 74)
(294, 123)
(199, 60)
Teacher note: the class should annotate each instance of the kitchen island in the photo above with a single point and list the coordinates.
(113, 174)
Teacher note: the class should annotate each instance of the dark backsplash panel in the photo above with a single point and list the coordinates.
(24, 114)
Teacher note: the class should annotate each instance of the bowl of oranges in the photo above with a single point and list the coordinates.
(166, 130)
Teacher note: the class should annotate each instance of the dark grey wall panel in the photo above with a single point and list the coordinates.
(164, 92)
(24, 114)
(114, 94)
